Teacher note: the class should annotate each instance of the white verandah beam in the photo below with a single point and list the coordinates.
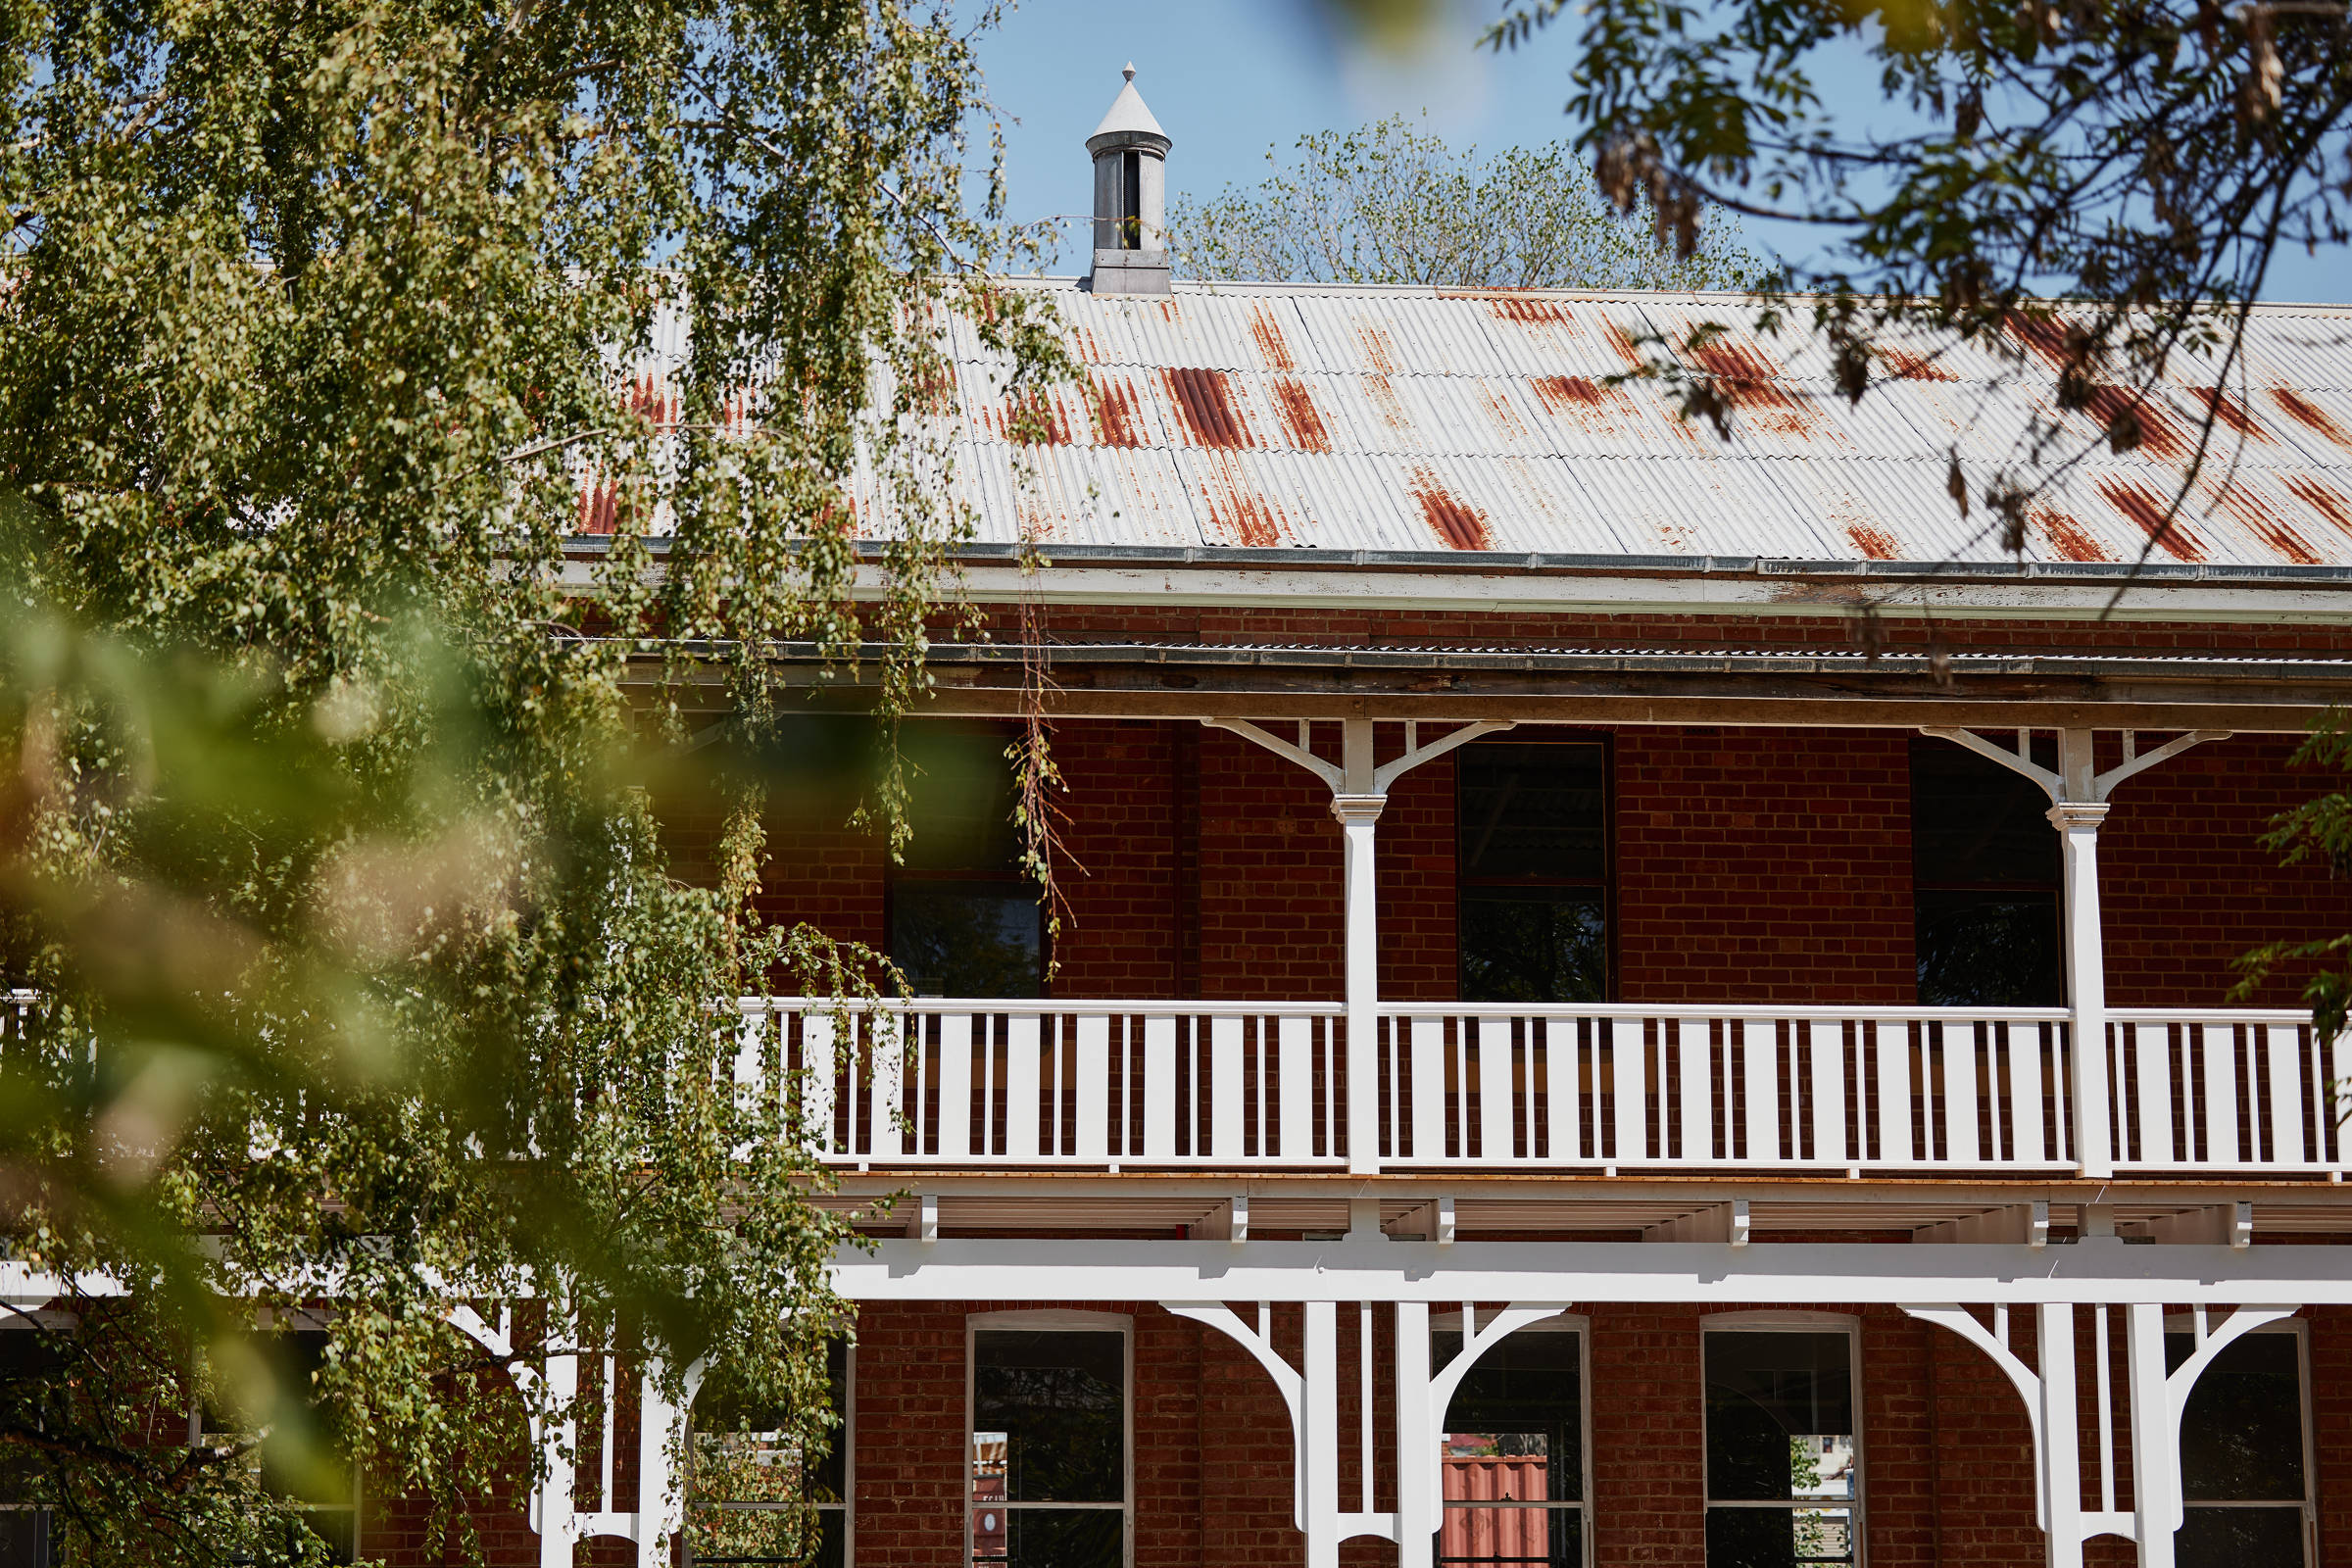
(1360, 789)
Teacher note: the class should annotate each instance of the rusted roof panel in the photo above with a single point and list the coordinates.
(1415, 419)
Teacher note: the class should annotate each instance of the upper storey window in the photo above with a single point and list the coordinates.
(963, 920)
(1985, 875)
(1533, 860)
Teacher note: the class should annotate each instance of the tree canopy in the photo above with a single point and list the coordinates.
(356, 972)
(1391, 203)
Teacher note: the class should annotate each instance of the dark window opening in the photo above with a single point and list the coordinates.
(756, 1494)
(1048, 1448)
(1512, 1454)
(32, 1373)
(1782, 1456)
(964, 922)
(1986, 881)
(1131, 200)
(298, 1459)
(2242, 1474)
(1532, 859)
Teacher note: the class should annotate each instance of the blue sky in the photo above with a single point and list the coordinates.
(1227, 77)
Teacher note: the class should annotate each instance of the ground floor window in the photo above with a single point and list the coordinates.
(2246, 1437)
(27, 1357)
(1512, 1456)
(1784, 1452)
(757, 1496)
(1048, 1466)
(298, 1458)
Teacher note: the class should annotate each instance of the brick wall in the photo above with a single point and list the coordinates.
(1750, 864)
(1763, 866)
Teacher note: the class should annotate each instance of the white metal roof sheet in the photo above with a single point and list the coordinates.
(1413, 420)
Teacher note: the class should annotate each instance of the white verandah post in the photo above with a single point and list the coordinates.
(1358, 790)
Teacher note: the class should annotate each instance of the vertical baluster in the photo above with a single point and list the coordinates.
(1537, 1036)
(1094, 1086)
(2150, 1107)
(1258, 1061)
(2286, 1095)
(984, 1032)
(922, 1116)
(753, 1054)
(1022, 1089)
(2029, 1147)
(816, 1081)
(1827, 1037)
(2335, 1094)
(1297, 1071)
(2221, 1093)
(1159, 1087)
(1892, 1049)
(1629, 1072)
(887, 1063)
(956, 1085)
(1960, 1081)
(1224, 1097)
(1428, 1044)
(1494, 1089)
(1561, 1098)
(1697, 1050)
(1055, 1026)
(1457, 1128)
(1760, 1044)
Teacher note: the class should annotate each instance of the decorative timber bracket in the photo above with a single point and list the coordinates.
(1360, 789)
(2078, 793)
(550, 1391)
(1310, 1391)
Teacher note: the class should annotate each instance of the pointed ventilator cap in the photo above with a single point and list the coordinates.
(1129, 124)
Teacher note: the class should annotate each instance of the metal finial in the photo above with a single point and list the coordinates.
(1130, 70)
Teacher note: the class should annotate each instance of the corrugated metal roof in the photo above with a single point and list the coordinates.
(1417, 420)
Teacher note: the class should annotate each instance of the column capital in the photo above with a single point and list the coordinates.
(1350, 809)
(2066, 815)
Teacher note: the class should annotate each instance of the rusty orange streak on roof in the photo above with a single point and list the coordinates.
(2230, 412)
(1296, 410)
(1035, 419)
(2272, 529)
(1237, 512)
(1204, 399)
(2068, 537)
(1560, 394)
(1270, 341)
(2312, 414)
(1915, 367)
(1627, 349)
(1507, 422)
(1450, 518)
(1118, 421)
(1379, 349)
(2325, 502)
(1875, 543)
(2041, 333)
(2109, 404)
(2173, 536)
(1526, 311)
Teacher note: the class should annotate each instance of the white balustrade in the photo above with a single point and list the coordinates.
(1095, 1085)
(2212, 1090)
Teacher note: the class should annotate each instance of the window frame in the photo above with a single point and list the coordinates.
(1790, 1322)
(2300, 1326)
(1580, 1325)
(846, 1440)
(1049, 1321)
(1524, 737)
(32, 1320)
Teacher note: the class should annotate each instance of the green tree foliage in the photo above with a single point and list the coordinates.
(2140, 161)
(360, 977)
(1389, 202)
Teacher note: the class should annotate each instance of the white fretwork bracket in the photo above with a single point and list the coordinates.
(1310, 1391)
(2157, 1400)
(1356, 774)
(2055, 782)
(549, 1395)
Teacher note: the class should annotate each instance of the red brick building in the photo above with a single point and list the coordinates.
(1699, 917)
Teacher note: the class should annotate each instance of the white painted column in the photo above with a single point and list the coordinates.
(2077, 825)
(1357, 813)
(2058, 1425)
(1319, 1438)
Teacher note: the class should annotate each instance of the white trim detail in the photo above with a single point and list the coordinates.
(2157, 1401)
